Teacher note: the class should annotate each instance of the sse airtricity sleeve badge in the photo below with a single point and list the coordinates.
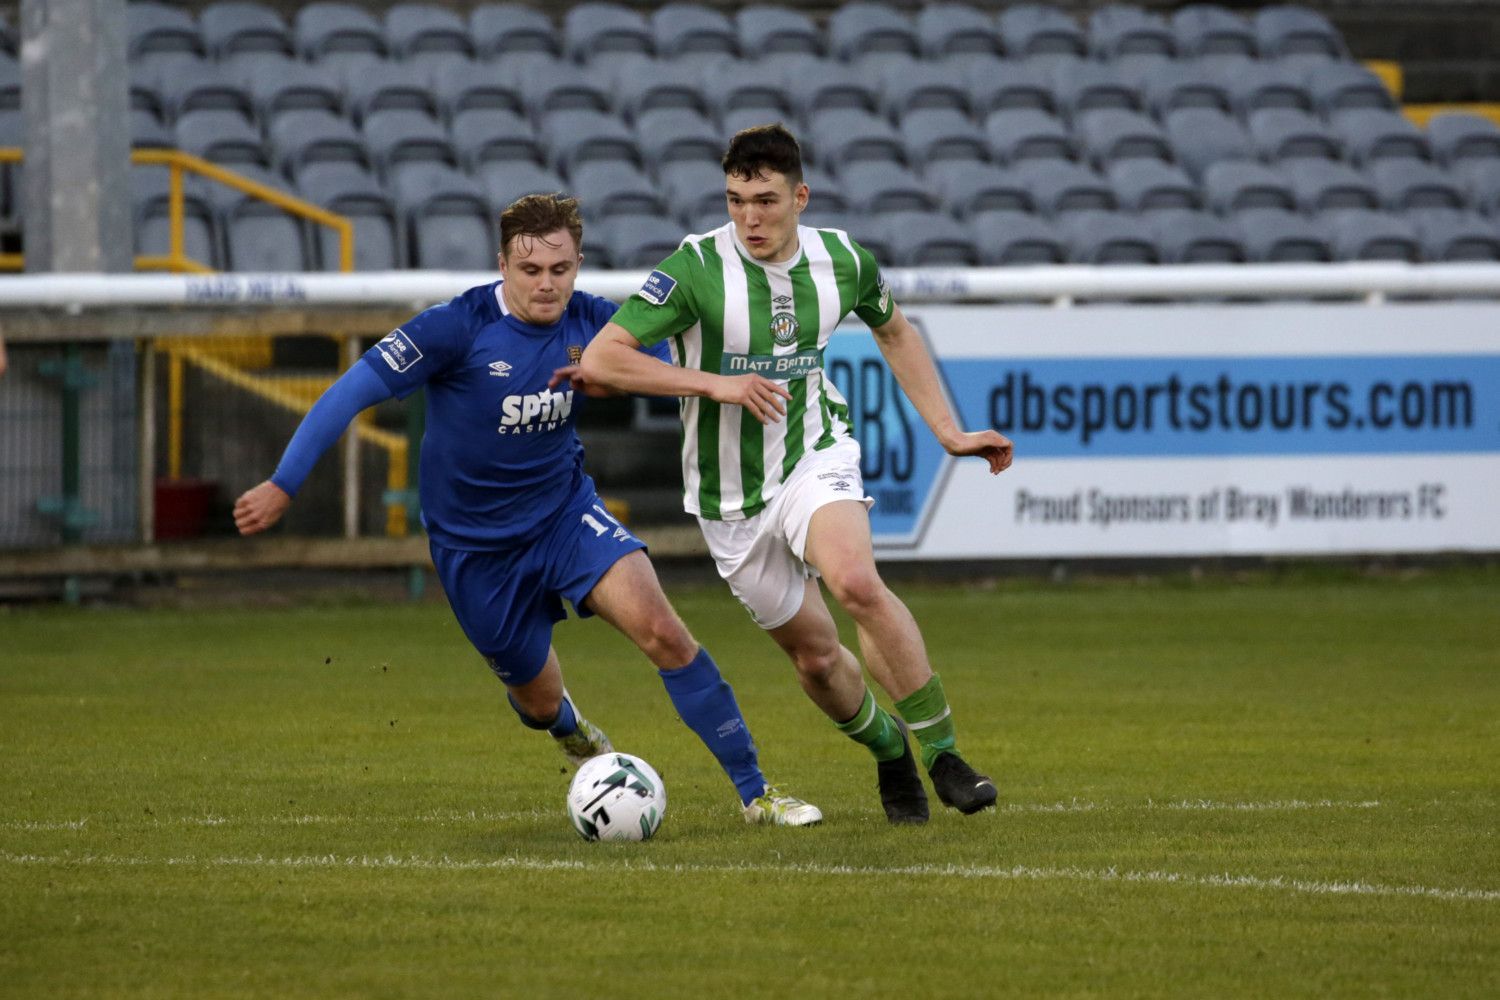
(658, 288)
(398, 350)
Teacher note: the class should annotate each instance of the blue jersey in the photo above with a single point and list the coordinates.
(501, 454)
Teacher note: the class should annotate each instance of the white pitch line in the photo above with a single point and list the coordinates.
(1017, 873)
(476, 816)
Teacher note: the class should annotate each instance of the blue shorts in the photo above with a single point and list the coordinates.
(507, 601)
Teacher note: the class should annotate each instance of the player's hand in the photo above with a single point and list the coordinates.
(992, 446)
(765, 400)
(259, 508)
(573, 375)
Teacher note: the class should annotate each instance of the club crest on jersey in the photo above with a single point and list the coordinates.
(398, 350)
(658, 288)
(784, 329)
(575, 354)
(501, 368)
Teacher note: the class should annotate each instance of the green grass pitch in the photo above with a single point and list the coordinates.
(1285, 785)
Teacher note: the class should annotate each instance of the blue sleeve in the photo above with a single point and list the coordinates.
(422, 348)
(355, 390)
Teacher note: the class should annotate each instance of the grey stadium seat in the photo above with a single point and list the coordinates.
(1113, 134)
(151, 216)
(862, 27)
(693, 187)
(847, 135)
(674, 134)
(186, 85)
(548, 85)
(734, 87)
(825, 194)
(1323, 186)
(1341, 86)
(10, 84)
(1008, 84)
(1016, 239)
(1060, 187)
(1231, 186)
(597, 27)
(1211, 30)
(1171, 84)
(300, 138)
(1481, 178)
(1017, 134)
(1145, 185)
(1187, 237)
(277, 84)
(1119, 30)
(1448, 235)
(969, 188)
(766, 29)
(688, 28)
(1362, 234)
(327, 28)
(573, 137)
(222, 137)
(1201, 136)
(1257, 86)
(399, 138)
(941, 134)
(1277, 236)
(502, 29)
(1284, 134)
(146, 131)
(237, 26)
(145, 95)
(156, 27)
(1100, 237)
(927, 239)
(1287, 30)
(354, 193)
(922, 87)
(462, 86)
(875, 187)
(258, 235)
(1456, 136)
(377, 85)
(643, 85)
(1372, 135)
(633, 241)
(507, 180)
(415, 28)
(819, 85)
(610, 187)
(945, 29)
(1406, 185)
(448, 220)
(492, 135)
(1036, 29)
(1092, 86)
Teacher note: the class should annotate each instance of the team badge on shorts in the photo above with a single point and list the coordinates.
(784, 329)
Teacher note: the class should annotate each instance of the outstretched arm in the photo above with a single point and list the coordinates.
(262, 506)
(614, 359)
(906, 353)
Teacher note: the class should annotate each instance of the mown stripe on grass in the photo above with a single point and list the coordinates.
(1020, 873)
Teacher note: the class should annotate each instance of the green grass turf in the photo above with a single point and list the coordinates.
(1277, 786)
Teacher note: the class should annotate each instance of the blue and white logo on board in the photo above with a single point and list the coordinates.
(398, 350)
(903, 465)
(658, 287)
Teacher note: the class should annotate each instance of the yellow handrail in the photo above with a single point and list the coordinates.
(177, 161)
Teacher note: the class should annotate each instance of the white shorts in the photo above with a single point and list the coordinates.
(760, 557)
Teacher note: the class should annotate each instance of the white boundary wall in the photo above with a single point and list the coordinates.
(1195, 428)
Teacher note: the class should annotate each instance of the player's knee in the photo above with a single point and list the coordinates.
(817, 664)
(666, 641)
(858, 591)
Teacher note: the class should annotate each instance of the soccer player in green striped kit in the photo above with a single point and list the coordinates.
(770, 466)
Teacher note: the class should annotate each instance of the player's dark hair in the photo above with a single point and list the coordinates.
(540, 215)
(761, 148)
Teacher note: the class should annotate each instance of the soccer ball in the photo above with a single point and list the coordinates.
(616, 796)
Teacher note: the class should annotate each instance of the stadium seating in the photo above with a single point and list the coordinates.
(968, 188)
(260, 236)
(1282, 31)
(1017, 134)
(502, 29)
(1188, 237)
(1209, 30)
(277, 83)
(671, 135)
(415, 28)
(447, 218)
(1113, 134)
(1278, 236)
(1101, 237)
(1371, 134)
(1364, 234)
(875, 186)
(157, 27)
(927, 239)
(301, 138)
(461, 86)
(1036, 29)
(1061, 187)
(1146, 185)
(598, 28)
(230, 27)
(1326, 186)
(505, 181)
(151, 213)
(607, 188)
(1459, 136)
(1009, 239)
(939, 134)
(1117, 30)
(224, 137)
(1453, 235)
(1288, 134)
(1232, 186)
(353, 192)
(631, 241)
(324, 28)
(768, 29)
(1407, 185)
(946, 29)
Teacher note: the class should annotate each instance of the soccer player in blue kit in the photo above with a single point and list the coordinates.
(514, 523)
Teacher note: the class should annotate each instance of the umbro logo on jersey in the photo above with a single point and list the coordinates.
(621, 534)
(501, 368)
(782, 301)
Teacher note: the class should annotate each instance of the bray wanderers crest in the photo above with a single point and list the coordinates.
(784, 329)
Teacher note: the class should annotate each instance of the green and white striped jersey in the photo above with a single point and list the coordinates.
(726, 313)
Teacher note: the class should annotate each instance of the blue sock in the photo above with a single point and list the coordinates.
(705, 701)
(565, 724)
